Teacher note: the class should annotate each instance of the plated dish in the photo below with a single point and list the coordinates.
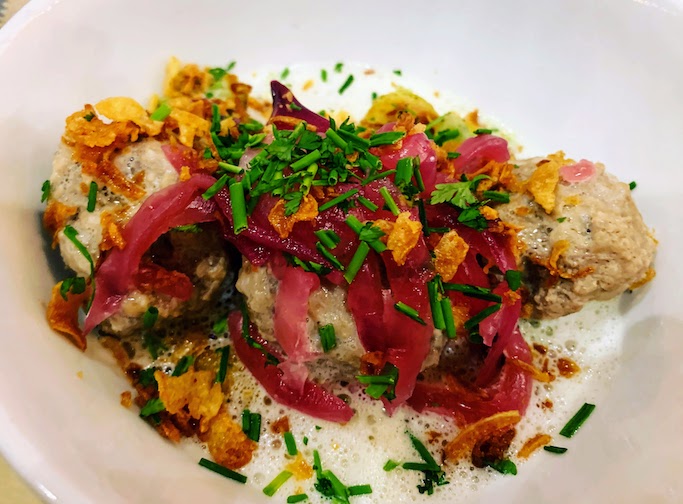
(93, 449)
(340, 264)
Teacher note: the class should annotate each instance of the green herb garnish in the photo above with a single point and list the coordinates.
(45, 188)
(410, 312)
(347, 83)
(555, 449)
(183, 365)
(223, 471)
(152, 407)
(223, 365)
(277, 482)
(577, 420)
(290, 443)
(161, 112)
(328, 338)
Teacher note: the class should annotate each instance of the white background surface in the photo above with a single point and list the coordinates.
(600, 80)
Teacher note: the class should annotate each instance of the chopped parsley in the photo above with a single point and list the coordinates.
(73, 285)
(152, 407)
(632, 185)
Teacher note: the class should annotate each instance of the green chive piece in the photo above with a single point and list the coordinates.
(423, 451)
(474, 291)
(323, 75)
(222, 470)
(474, 321)
(230, 66)
(72, 234)
(277, 482)
(444, 136)
(447, 309)
(498, 196)
(305, 440)
(328, 338)
(223, 366)
(367, 203)
(410, 312)
(183, 365)
(329, 256)
(367, 233)
(514, 279)
(290, 443)
(377, 176)
(338, 141)
(208, 154)
(328, 238)
(293, 499)
(217, 186)
(45, 188)
(359, 490)
(284, 74)
(254, 427)
(503, 466)
(577, 420)
(391, 204)
(230, 168)
(92, 196)
(339, 67)
(246, 421)
(391, 465)
(239, 208)
(220, 326)
(161, 112)
(398, 72)
(386, 138)
(373, 96)
(152, 407)
(337, 200)
(306, 184)
(418, 174)
(347, 83)
(483, 131)
(89, 116)
(306, 161)
(561, 219)
(416, 466)
(149, 318)
(73, 285)
(632, 185)
(559, 450)
(356, 262)
(404, 172)
(188, 228)
(453, 155)
(435, 305)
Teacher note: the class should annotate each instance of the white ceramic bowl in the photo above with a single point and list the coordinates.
(601, 80)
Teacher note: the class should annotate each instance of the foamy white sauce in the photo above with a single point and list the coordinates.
(357, 452)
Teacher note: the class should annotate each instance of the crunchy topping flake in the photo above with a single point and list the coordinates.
(450, 253)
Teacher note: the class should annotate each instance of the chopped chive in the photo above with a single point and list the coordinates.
(453, 155)
(305, 440)
(435, 304)
(92, 196)
(317, 427)
(391, 204)
(423, 451)
(149, 318)
(311, 171)
(284, 74)
(337, 200)
(339, 67)
(398, 72)
(329, 256)
(74, 285)
(72, 234)
(386, 138)
(239, 208)
(45, 188)
(373, 96)
(338, 141)
(230, 66)
(503, 466)
(294, 107)
(376, 390)
(367, 233)
(498, 196)
(255, 427)
(561, 219)
(409, 312)
(377, 176)
(290, 443)
(89, 116)
(347, 83)
(514, 279)
(152, 407)
(444, 136)
(577, 420)
(246, 421)
(417, 466)
(293, 499)
(223, 366)
(277, 482)
(474, 321)
(632, 185)
(306, 161)
(474, 291)
(220, 326)
(323, 75)
(231, 168)
(328, 238)
(188, 228)
(208, 154)
(555, 449)
(183, 365)
(447, 309)
(217, 186)
(222, 470)
(367, 204)
(328, 338)
(161, 112)
(404, 172)
(359, 490)
(391, 465)
(482, 131)
(356, 261)
(418, 174)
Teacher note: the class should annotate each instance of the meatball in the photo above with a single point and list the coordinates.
(593, 246)
(326, 305)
